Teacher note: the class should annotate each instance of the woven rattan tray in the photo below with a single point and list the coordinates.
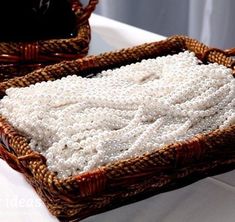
(129, 180)
(19, 58)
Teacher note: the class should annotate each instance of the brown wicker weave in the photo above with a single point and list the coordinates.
(19, 58)
(129, 180)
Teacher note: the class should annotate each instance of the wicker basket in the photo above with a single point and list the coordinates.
(19, 58)
(129, 180)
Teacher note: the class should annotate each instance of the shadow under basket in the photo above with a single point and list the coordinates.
(122, 182)
(20, 58)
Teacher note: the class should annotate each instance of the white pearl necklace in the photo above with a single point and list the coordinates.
(80, 123)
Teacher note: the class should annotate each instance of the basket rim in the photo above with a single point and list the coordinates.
(95, 181)
(18, 59)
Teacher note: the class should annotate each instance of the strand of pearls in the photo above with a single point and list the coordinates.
(80, 123)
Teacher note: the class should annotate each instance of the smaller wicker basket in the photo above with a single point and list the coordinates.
(19, 58)
(121, 182)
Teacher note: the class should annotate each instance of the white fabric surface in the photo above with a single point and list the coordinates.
(210, 199)
(110, 35)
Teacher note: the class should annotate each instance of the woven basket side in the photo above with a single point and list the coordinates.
(70, 45)
(61, 45)
(205, 53)
(175, 155)
(110, 186)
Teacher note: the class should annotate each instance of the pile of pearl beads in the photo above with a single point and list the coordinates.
(79, 123)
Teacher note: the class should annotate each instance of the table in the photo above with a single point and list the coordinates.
(210, 199)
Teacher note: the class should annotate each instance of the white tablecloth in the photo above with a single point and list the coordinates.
(210, 199)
